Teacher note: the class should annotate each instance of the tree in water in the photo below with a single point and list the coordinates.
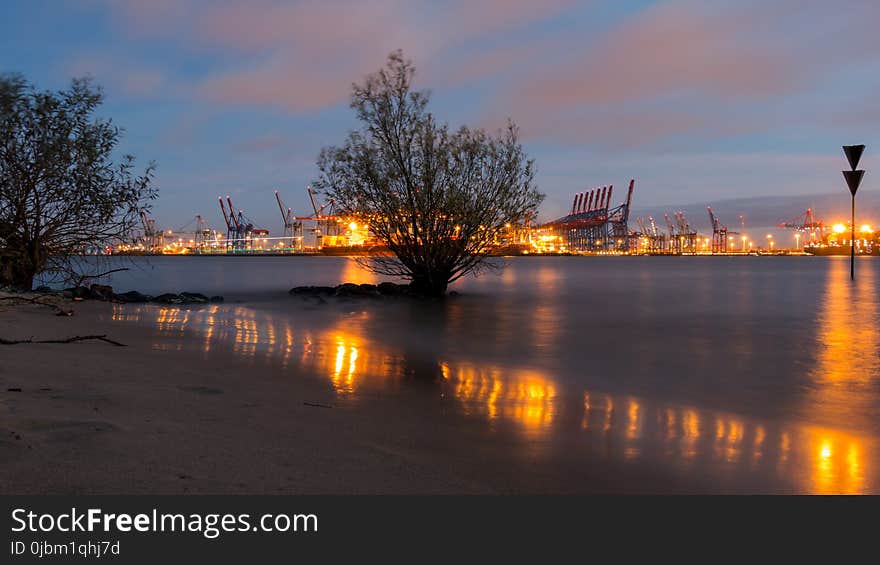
(61, 193)
(437, 199)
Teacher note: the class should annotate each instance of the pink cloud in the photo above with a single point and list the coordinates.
(672, 68)
(683, 67)
(114, 72)
(300, 57)
(670, 49)
(304, 55)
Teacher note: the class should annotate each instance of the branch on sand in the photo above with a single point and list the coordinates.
(73, 339)
(59, 311)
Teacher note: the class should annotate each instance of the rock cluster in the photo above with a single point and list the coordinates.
(105, 293)
(351, 290)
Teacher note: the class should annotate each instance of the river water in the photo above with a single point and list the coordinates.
(741, 374)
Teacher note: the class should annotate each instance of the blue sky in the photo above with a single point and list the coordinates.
(699, 101)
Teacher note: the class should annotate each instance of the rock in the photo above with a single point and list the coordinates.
(133, 296)
(392, 289)
(76, 292)
(312, 290)
(346, 287)
(43, 289)
(215, 299)
(101, 292)
(168, 298)
(351, 289)
(194, 298)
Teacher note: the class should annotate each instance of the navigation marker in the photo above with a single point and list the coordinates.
(853, 180)
(853, 154)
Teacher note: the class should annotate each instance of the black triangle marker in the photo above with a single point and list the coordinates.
(853, 154)
(853, 180)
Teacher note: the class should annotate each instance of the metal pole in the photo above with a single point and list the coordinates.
(852, 242)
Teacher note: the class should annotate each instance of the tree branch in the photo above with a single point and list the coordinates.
(73, 339)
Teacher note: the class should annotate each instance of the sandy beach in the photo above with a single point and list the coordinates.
(90, 417)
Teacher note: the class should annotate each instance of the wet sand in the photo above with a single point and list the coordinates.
(92, 418)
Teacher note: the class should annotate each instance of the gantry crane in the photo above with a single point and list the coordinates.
(240, 231)
(154, 238)
(682, 239)
(292, 225)
(806, 222)
(720, 233)
(325, 223)
(202, 235)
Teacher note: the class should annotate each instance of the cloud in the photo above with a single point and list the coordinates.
(655, 75)
(679, 68)
(303, 56)
(132, 78)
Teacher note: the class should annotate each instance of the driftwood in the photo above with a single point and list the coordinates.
(59, 311)
(67, 340)
(317, 405)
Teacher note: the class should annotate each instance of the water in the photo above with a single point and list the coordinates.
(740, 374)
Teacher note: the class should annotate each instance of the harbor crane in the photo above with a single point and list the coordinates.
(240, 231)
(720, 233)
(232, 232)
(154, 238)
(292, 225)
(805, 222)
(655, 241)
(325, 223)
(202, 236)
(681, 237)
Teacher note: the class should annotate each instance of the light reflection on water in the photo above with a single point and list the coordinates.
(712, 446)
(845, 373)
(754, 374)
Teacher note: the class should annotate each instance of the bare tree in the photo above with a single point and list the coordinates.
(61, 193)
(436, 198)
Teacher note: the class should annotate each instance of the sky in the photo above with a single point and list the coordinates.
(699, 101)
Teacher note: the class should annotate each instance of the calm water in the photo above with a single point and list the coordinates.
(742, 373)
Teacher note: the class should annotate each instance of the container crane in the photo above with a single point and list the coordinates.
(806, 222)
(154, 238)
(201, 236)
(232, 233)
(292, 224)
(655, 240)
(681, 235)
(325, 223)
(720, 233)
(240, 231)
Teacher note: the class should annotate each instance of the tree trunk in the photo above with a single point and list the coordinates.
(432, 285)
(18, 270)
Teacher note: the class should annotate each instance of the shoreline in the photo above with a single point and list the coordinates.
(203, 400)
(347, 254)
(91, 418)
